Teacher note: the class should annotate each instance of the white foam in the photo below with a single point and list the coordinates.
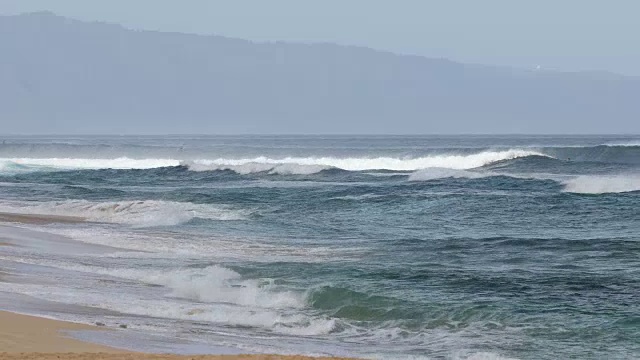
(286, 165)
(602, 184)
(443, 173)
(358, 197)
(624, 144)
(482, 356)
(227, 314)
(453, 356)
(83, 163)
(215, 293)
(5, 165)
(217, 284)
(274, 320)
(360, 164)
(10, 167)
(138, 213)
(255, 167)
(212, 284)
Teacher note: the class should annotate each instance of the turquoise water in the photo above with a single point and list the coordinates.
(383, 247)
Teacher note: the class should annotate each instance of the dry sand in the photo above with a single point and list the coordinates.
(25, 337)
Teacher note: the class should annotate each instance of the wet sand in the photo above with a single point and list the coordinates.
(24, 337)
(22, 333)
(38, 219)
(132, 356)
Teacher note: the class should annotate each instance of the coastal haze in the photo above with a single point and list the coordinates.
(571, 35)
(63, 76)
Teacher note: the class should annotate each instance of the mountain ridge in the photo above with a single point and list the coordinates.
(61, 75)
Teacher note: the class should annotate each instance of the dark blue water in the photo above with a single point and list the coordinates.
(442, 247)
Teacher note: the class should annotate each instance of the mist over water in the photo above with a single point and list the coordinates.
(459, 247)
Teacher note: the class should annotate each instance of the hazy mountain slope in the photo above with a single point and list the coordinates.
(65, 76)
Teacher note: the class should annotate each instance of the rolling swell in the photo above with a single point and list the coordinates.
(285, 165)
(602, 153)
(552, 159)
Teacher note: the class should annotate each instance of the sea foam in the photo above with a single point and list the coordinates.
(142, 213)
(251, 167)
(285, 165)
(217, 294)
(302, 165)
(602, 184)
(443, 173)
(84, 163)
(212, 284)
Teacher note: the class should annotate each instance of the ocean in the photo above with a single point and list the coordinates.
(382, 247)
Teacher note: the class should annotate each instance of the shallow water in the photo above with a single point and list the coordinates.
(382, 247)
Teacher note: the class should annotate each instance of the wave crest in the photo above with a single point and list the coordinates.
(307, 165)
(226, 297)
(91, 164)
(255, 167)
(285, 166)
(221, 296)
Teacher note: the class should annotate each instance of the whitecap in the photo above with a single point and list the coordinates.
(602, 184)
(285, 165)
(84, 163)
(254, 167)
(314, 164)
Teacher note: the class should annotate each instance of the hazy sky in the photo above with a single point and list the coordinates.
(558, 34)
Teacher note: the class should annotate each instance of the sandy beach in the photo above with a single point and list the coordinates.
(29, 337)
(23, 333)
(38, 218)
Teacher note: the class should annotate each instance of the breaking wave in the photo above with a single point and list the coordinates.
(218, 294)
(137, 213)
(91, 164)
(624, 144)
(212, 284)
(285, 166)
(315, 164)
(254, 167)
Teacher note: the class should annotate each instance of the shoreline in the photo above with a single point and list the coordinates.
(38, 219)
(31, 337)
(21, 333)
(28, 337)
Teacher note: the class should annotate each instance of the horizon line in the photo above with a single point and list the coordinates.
(325, 134)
